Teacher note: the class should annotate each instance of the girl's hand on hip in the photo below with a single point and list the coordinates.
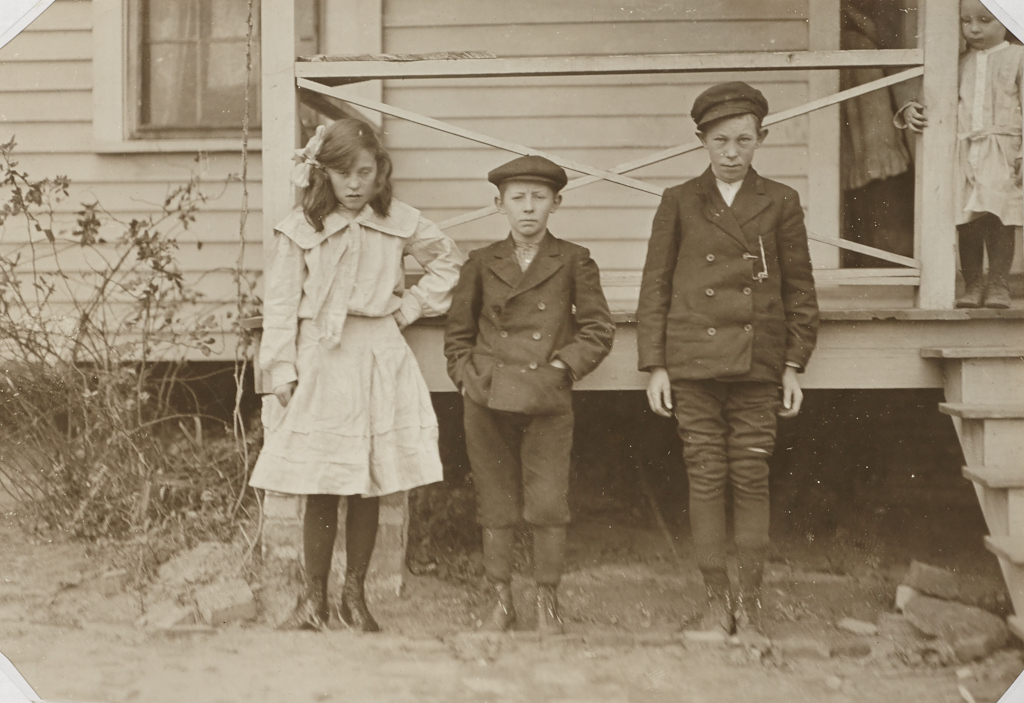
(792, 395)
(284, 393)
(659, 392)
(400, 320)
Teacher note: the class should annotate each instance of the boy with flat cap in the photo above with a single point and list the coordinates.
(528, 318)
(727, 318)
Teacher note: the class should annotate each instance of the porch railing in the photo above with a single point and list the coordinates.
(320, 81)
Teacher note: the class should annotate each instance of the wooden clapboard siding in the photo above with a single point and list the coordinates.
(46, 103)
(46, 106)
(26, 76)
(602, 121)
(41, 45)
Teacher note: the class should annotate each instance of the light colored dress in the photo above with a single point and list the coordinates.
(990, 114)
(360, 421)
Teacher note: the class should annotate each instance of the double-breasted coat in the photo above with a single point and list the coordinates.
(505, 326)
(704, 312)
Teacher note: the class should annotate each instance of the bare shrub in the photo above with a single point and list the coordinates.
(91, 441)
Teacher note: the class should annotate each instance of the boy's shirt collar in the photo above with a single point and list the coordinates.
(728, 190)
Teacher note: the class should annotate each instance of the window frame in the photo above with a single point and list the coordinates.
(115, 91)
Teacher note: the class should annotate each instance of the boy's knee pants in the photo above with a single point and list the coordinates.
(728, 432)
(520, 465)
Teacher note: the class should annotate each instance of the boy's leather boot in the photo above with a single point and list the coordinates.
(549, 622)
(749, 612)
(503, 614)
(718, 609)
(497, 544)
(353, 602)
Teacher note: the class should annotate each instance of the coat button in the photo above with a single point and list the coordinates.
(712, 331)
(746, 291)
(710, 257)
(536, 335)
(496, 308)
(533, 365)
(747, 328)
(709, 292)
(503, 334)
(501, 364)
(541, 305)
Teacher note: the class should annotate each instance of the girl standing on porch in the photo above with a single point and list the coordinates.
(353, 415)
(990, 200)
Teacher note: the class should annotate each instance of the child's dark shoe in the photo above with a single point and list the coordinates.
(311, 612)
(503, 615)
(353, 610)
(997, 294)
(972, 295)
(548, 620)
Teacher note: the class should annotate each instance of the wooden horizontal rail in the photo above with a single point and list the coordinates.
(347, 70)
(872, 277)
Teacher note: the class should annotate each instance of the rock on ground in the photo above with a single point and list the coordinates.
(858, 627)
(932, 581)
(225, 602)
(971, 632)
(904, 594)
(201, 564)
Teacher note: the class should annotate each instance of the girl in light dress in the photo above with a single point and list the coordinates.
(352, 415)
(990, 201)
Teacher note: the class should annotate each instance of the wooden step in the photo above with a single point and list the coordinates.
(995, 476)
(971, 411)
(973, 352)
(1007, 547)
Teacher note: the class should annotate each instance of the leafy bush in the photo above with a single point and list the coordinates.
(91, 438)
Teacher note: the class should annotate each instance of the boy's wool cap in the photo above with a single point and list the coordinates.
(728, 100)
(530, 168)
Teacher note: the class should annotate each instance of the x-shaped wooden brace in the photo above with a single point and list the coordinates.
(614, 175)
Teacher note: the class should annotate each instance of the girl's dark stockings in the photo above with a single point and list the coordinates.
(320, 528)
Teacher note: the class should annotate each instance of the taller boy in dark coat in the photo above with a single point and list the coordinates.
(727, 315)
(528, 317)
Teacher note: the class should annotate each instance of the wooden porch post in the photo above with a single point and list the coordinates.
(280, 116)
(934, 230)
(823, 214)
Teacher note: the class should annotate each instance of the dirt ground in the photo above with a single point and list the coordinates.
(626, 600)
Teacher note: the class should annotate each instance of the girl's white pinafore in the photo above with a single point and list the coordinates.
(360, 421)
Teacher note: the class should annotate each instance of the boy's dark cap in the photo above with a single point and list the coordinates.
(530, 168)
(728, 100)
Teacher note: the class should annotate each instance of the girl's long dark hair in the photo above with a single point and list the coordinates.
(342, 142)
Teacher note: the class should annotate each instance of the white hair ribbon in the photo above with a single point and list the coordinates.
(305, 158)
